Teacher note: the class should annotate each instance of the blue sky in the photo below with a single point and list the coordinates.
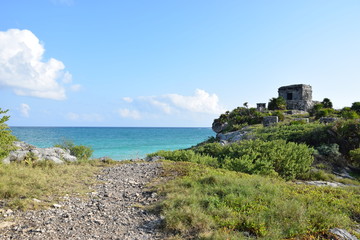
(177, 63)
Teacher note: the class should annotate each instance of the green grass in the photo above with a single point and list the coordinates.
(46, 181)
(206, 203)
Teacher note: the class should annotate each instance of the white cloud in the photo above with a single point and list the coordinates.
(201, 102)
(23, 69)
(158, 103)
(128, 99)
(172, 104)
(85, 117)
(75, 87)
(127, 113)
(25, 110)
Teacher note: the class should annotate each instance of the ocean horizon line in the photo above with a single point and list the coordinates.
(95, 127)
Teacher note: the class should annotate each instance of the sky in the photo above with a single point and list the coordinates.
(170, 63)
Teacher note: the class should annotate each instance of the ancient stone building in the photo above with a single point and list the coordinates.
(261, 107)
(298, 97)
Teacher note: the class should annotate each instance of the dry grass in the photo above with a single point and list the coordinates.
(47, 182)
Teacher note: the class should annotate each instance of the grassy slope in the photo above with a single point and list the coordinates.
(206, 203)
(21, 183)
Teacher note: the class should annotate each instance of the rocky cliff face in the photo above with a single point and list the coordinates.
(24, 151)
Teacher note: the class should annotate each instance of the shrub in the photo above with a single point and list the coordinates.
(355, 156)
(346, 134)
(277, 104)
(288, 160)
(356, 107)
(187, 156)
(348, 113)
(80, 151)
(312, 134)
(279, 114)
(251, 156)
(329, 150)
(6, 138)
(324, 112)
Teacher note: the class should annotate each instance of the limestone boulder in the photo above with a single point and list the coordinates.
(24, 150)
(219, 127)
(230, 137)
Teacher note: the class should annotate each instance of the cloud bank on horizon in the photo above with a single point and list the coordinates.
(201, 102)
(23, 70)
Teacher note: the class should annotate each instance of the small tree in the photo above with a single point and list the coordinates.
(6, 138)
(327, 103)
(277, 104)
(356, 107)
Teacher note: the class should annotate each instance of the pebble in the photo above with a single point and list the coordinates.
(111, 210)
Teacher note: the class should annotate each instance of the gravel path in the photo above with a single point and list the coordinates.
(112, 212)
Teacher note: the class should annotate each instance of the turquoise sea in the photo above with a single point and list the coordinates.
(118, 143)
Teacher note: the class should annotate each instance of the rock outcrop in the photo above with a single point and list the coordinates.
(218, 127)
(230, 137)
(26, 151)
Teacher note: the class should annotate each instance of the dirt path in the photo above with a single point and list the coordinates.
(112, 212)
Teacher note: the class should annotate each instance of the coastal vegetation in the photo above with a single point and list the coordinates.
(254, 188)
(214, 197)
(6, 138)
(207, 203)
(275, 158)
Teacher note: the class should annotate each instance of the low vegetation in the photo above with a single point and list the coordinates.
(20, 184)
(276, 158)
(44, 181)
(6, 138)
(208, 203)
(81, 152)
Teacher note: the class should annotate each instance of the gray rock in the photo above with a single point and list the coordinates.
(270, 120)
(153, 159)
(230, 137)
(326, 120)
(219, 127)
(24, 150)
(306, 120)
(323, 183)
(343, 234)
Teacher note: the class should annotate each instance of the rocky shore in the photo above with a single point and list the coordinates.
(113, 210)
(26, 151)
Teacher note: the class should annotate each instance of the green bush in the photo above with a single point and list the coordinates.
(356, 107)
(348, 113)
(288, 160)
(279, 114)
(187, 156)
(329, 150)
(277, 104)
(6, 138)
(313, 134)
(80, 151)
(355, 156)
(240, 117)
(347, 134)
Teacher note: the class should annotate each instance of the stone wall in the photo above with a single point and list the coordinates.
(298, 97)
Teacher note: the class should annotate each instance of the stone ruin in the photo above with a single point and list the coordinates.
(261, 107)
(298, 97)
